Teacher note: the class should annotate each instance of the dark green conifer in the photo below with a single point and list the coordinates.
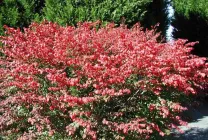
(19, 13)
(72, 11)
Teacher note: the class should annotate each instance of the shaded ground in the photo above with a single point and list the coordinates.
(193, 134)
(198, 124)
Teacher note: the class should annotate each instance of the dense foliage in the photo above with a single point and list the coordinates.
(84, 83)
(72, 11)
(19, 13)
(187, 7)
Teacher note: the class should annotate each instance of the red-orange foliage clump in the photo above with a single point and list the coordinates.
(84, 82)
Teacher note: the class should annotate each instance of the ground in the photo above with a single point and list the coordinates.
(197, 125)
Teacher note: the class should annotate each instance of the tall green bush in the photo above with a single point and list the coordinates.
(19, 13)
(72, 11)
(8, 14)
(187, 7)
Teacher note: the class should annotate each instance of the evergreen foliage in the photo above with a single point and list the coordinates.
(72, 11)
(8, 14)
(187, 7)
(19, 13)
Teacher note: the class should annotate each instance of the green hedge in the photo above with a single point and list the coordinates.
(187, 7)
(72, 11)
(20, 13)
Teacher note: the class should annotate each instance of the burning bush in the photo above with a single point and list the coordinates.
(90, 83)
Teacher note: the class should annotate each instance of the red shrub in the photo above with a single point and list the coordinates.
(83, 82)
